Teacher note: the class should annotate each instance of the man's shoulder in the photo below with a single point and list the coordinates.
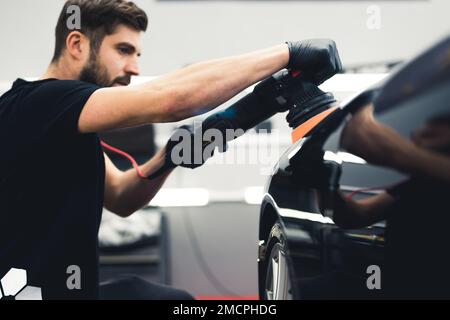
(45, 101)
(54, 85)
(51, 83)
(46, 91)
(48, 86)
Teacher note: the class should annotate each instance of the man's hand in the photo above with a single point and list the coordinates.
(318, 59)
(346, 214)
(434, 135)
(354, 214)
(360, 135)
(190, 147)
(369, 139)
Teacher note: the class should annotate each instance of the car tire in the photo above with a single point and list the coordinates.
(277, 283)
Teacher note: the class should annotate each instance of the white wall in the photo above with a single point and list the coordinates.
(183, 32)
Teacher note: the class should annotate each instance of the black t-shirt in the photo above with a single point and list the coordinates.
(51, 187)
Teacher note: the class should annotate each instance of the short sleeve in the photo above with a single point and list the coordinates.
(54, 107)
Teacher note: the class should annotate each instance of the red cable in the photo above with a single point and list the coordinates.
(354, 193)
(295, 73)
(126, 155)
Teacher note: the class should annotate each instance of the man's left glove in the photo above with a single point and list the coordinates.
(190, 147)
(317, 59)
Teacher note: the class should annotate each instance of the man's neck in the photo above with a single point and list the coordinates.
(61, 71)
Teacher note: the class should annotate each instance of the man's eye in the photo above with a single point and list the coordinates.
(124, 50)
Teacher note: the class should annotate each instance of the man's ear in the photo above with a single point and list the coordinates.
(77, 45)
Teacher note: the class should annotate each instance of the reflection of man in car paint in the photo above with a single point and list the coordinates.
(426, 155)
(417, 210)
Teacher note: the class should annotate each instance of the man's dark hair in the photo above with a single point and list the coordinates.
(99, 18)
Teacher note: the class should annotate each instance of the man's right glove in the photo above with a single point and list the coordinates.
(317, 59)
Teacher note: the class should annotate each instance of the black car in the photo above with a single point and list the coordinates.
(302, 253)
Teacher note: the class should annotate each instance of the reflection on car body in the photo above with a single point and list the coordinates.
(302, 253)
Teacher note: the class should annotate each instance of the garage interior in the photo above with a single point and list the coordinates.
(200, 233)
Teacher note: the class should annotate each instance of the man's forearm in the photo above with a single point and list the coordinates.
(378, 144)
(417, 161)
(351, 214)
(132, 192)
(385, 147)
(203, 86)
(181, 94)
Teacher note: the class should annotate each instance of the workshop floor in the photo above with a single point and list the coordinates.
(212, 250)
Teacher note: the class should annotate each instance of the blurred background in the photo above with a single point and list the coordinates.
(182, 32)
(200, 233)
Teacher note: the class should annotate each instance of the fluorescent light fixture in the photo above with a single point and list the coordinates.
(352, 82)
(181, 197)
(348, 82)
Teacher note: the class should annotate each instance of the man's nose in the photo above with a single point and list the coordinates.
(132, 68)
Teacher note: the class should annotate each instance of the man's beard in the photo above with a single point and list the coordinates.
(96, 73)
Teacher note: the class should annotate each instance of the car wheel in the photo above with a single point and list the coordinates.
(278, 283)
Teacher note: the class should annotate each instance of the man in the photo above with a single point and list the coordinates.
(54, 177)
(417, 264)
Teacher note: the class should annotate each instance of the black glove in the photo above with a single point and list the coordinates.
(190, 147)
(317, 59)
